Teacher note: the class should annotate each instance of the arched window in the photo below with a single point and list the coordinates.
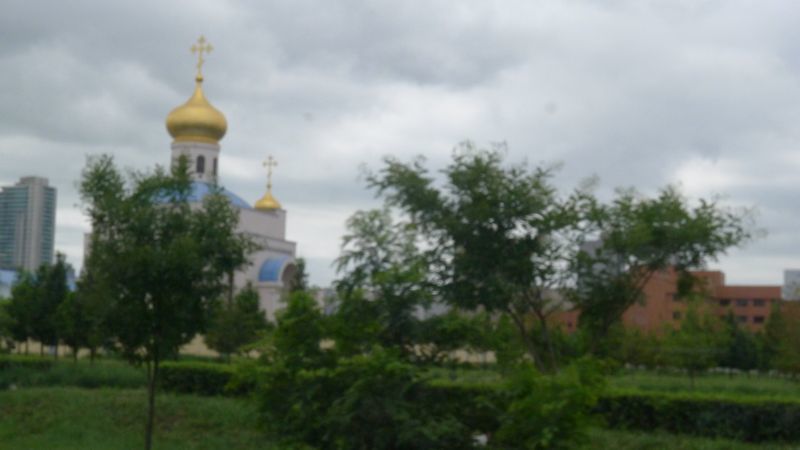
(201, 164)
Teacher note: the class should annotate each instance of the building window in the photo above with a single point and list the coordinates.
(201, 164)
(758, 319)
(724, 302)
(759, 302)
(741, 302)
(676, 315)
(741, 319)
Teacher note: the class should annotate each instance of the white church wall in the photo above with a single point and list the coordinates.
(192, 150)
(265, 223)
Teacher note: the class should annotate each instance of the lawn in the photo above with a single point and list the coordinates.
(62, 418)
(760, 385)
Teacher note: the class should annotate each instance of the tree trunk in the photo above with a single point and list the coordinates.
(547, 341)
(523, 334)
(151, 405)
(230, 289)
(91, 355)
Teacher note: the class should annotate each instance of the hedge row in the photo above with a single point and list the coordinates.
(196, 377)
(479, 406)
(750, 419)
(746, 419)
(23, 361)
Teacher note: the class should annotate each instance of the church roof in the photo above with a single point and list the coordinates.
(271, 268)
(201, 189)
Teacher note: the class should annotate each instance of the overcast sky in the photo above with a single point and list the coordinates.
(701, 93)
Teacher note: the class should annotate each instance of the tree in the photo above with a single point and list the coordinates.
(95, 305)
(300, 279)
(160, 259)
(640, 236)
(22, 308)
(6, 325)
(50, 287)
(383, 282)
(385, 286)
(697, 344)
(234, 325)
(299, 331)
(782, 339)
(741, 351)
(72, 324)
(501, 235)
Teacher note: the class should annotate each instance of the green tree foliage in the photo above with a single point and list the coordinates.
(35, 299)
(641, 236)
(634, 346)
(300, 278)
(72, 323)
(549, 412)
(771, 340)
(235, 324)
(374, 401)
(94, 299)
(741, 350)
(698, 343)
(501, 235)
(161, 260)
(51, 290)
(781, 340)
(298, 335)
(6, 325)
(22, 309)
(386, 286)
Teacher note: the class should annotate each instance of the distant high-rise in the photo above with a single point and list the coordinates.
(27, 224)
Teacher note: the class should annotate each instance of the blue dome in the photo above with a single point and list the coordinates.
(200, 190)
(8, 277)
(272, 268)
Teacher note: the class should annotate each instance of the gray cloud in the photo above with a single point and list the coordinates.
(701, 93)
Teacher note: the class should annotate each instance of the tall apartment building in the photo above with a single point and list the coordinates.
(27, 224)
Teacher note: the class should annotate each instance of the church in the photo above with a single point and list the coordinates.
(197, 128)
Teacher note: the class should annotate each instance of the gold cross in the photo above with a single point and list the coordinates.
(201, 47)
(269, 164)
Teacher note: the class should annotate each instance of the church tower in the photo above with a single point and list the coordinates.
(196, 128)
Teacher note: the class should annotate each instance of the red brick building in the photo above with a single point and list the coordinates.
(662, 307)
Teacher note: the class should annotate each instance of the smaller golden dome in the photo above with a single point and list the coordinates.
(197, 120)
(267, 202)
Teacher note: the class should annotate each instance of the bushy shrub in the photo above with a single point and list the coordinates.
(748, 419)
(374, 401)
(551, 412)
(197, 377)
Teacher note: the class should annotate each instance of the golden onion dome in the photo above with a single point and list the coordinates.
(197, 120)
(267, 203)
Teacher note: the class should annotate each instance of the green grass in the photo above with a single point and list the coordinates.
(718, 384)
(73, 418)
(103, 373)
(62, 418)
